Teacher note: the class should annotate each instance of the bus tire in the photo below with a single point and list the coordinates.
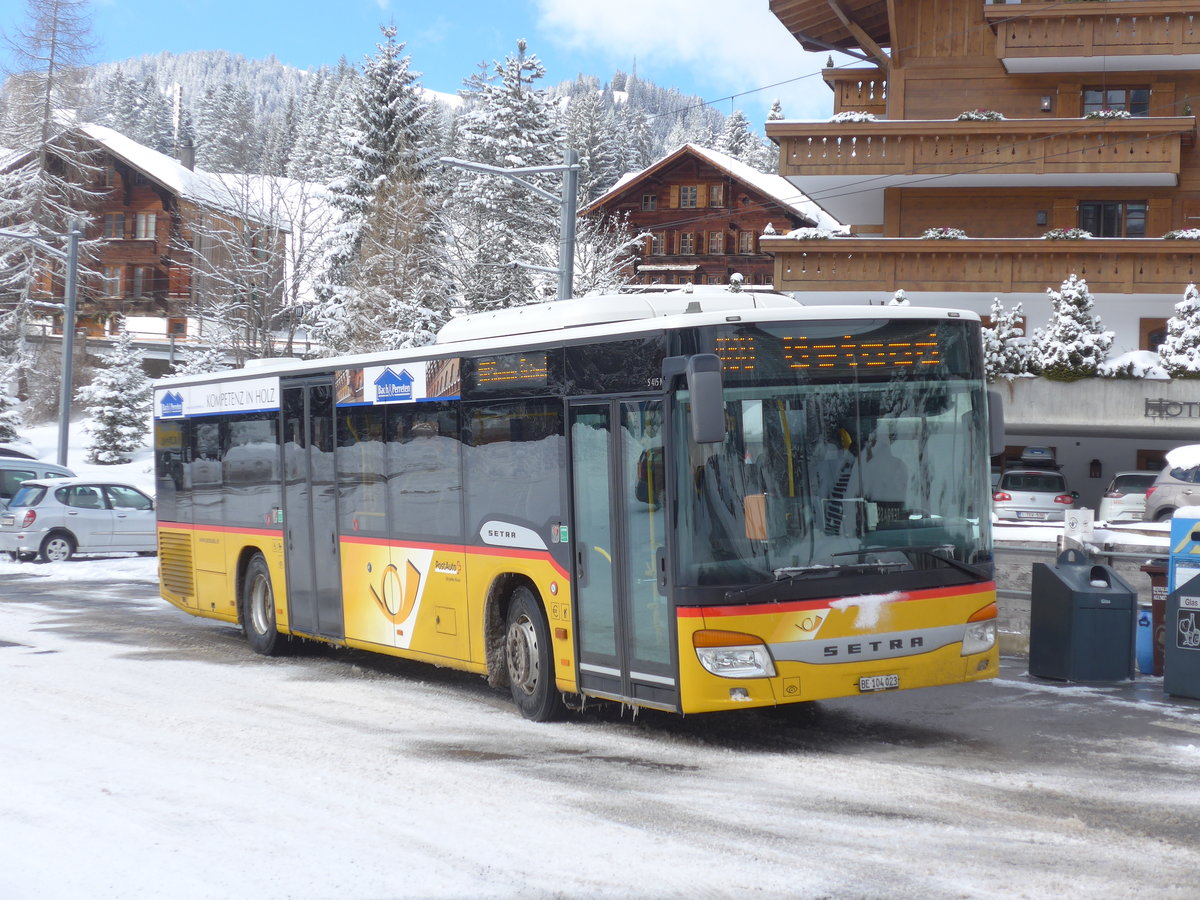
(528, 657)
(258, 609)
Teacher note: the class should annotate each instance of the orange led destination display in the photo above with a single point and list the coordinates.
(511, 370)
(739, 354)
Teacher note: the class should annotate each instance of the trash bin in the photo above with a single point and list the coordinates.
(1144, 644)
(1181, 662)
(1082, 621)
(1157, 570)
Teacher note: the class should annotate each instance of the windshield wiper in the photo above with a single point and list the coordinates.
(929, 552)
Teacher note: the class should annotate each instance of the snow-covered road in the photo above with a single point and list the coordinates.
(147, 753)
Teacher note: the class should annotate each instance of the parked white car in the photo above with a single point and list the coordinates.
(54, 519)
(1124, 499)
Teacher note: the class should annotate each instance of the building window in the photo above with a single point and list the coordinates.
(142, 280)
(687, 243)
(1113, 219)
(110, 176)
(145, 226)
(687, 196)
(649, 201)
(1151, 460)
(745, 242)
(1151, 333)
(716, 242)
(114, 226)
(766, 278)
(656, 243)
(716, 195)
(110, 281)
(714, 279)
(1135, 101)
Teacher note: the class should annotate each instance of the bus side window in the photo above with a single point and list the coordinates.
(424, 470)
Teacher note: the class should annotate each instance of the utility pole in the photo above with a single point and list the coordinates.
(70, 287)
(567, 202)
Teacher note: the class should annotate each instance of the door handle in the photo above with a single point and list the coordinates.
(580, 564)
(660, 569)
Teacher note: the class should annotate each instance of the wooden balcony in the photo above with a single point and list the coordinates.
(862, 90)
(846, 167)
(1119, 35)
(999, 265)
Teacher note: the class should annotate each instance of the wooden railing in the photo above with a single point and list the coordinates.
(985, 264)
(1028, 146)
(1117, 28)
(861, 90)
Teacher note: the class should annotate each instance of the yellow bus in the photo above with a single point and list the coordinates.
(684, 501)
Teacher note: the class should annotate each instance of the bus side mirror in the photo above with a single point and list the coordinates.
(995, 423)
(708, 398)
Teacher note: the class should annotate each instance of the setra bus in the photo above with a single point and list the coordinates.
(685, 501)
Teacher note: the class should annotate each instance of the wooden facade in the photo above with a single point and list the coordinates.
(1059, 74)
(703, 215)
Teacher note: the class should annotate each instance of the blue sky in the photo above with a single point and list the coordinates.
(713, 48)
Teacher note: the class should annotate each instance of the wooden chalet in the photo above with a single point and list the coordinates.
(155, 234)
(704, 213)
(1078, 116)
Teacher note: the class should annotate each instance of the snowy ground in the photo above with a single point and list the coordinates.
(149, 753)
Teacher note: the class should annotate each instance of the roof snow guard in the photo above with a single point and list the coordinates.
(603, 310)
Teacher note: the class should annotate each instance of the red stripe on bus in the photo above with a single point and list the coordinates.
(759, 609)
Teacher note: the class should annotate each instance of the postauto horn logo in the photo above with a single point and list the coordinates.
(172, 404)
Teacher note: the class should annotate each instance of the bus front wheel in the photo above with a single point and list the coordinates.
(258, 609)
(528, 657)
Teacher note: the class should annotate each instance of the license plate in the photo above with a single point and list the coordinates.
(1031, 515)
(7, 520)
(878, 683)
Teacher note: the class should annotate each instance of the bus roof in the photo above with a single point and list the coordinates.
(594, 319)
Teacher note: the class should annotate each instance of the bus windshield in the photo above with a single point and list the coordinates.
(826, 477)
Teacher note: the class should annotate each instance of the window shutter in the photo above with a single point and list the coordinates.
(674, 196)
(702, 195)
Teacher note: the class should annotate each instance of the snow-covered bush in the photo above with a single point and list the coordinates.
(943, 233)
(1005, 348)
(736, 282)
(1066, 234)
(1134, 364)
(1179, 354)
(1074, 343)
(810, 234)
(854, 115)
(119, 400)
(980, 115)
(1183, 234)
(1109, 114)
(899, 298)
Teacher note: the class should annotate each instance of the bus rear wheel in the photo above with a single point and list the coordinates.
(258, 609)
(528, 658)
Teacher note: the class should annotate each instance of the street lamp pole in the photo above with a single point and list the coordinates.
(71, 258)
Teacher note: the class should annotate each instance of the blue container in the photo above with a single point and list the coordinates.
(1145, 641)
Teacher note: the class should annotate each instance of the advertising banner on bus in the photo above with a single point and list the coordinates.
(411, 381)
(218, 398)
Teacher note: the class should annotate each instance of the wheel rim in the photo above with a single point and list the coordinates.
(58, 549)
(523, 655)
(262, 604)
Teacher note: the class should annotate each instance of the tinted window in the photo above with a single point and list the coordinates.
(634, 365)
(121, 497)
(29, 496)
(362, 483)
(81, 496)
(174, 501)
(10, 480)
(424, 477)
(515, 456)
(1190, 475)
(250, 468)
(1034, 481)
(204, 470)
(1132, 484)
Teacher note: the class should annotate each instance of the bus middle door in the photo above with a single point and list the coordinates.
(623, 622)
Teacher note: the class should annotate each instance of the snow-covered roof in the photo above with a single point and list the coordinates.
(775, 187)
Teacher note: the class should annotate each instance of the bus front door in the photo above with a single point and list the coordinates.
(314, 590)
(622, 619)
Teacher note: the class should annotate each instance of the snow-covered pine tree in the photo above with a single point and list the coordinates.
(202, 360)
(589, 132)
(119, 400)
(1179, 354)
(1074, 343)
(10, 406)
(605, 248)
(508, 123)
(1004, 346)
(775, 113)
(737, 140)
(386, 285)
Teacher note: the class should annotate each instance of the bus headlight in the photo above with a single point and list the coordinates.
(980, 633)
(732, 654)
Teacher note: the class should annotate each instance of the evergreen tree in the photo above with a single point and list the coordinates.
(1074, 343)
(1179, 354)
(507, 123)
(776, 111)
(120, 400)
(737, 140)
(1004, 348)
(10, 407)
(201, 361)
(590, 133)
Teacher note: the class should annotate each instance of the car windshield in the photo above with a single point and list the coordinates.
(1133, 483)
(28, 495)
(1037, 482)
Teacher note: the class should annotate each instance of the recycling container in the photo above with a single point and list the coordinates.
(1157, 570)
(1181, 660)
(1083, 618)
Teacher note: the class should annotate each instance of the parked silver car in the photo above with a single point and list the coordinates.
(54, 519)
(1176, 486)
(1034, 495)
(1124, 499)
(16, 469)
